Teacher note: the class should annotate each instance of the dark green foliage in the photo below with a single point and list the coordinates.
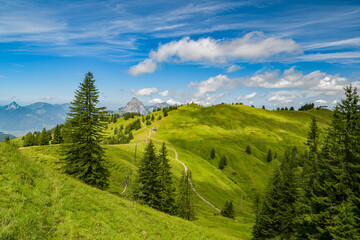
(29, 140)
(223, 162)
(83, 156)
(7, 139)
(212, 153)
(263, 107)
(165, 113)
(115, 130)
(306, 107)
(252, 106)
(248, 149)
(286, 109)
(276, 214)
(228, 210)
(130, 137)
(184, 203)
(292, 108)
(135, 125)
(57, 136)
(159, 118)
(148, 190)
(44, 138)
(167, 189)
(129, 115)
(152, 117)
(269, 156)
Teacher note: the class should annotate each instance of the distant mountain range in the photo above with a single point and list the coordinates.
(137, 106)
(2, 136)
(18, 120)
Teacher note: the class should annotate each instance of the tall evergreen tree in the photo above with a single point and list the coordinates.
(149, 180)
(167, 189)
(212, 153)
(57, 136)
(185, 205)
(269, 156)
(83, 155)
(228, 210)
(29, 140)
(44, 138)
(248, 149)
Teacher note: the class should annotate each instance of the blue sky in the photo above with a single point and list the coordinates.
(276, 53)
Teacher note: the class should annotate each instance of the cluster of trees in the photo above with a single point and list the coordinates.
(223, 162)
(37, 138)
(168, 109)
(228, 210)
(122, 136)
(154, 185)
(306, 107)
(148, 119)
(135, 125)
(317, 195)
(129, 115)
(286, 109)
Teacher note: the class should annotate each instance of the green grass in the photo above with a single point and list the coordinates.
(37, 202)
(193, 130)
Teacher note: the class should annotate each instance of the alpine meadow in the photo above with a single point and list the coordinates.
(179, 120)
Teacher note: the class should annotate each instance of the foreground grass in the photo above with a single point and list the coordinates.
(37, 202)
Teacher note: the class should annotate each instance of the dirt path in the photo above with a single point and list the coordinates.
(191, 184)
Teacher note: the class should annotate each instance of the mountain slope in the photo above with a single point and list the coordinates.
(2, 136)
(134, 106)
(18, 120)
(37, 202)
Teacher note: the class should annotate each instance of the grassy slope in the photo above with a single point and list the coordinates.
(37, 202)
(193, 130)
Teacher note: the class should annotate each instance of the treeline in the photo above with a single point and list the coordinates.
(306, 107)
(316, 195)
(155, 187)
(44, 137)
(122, 136)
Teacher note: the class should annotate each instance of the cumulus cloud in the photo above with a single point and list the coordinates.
(146, 66)
(282, 99)
(164, 93)
(320, 101)
(173, 102)
(335, 101)
(233, 68)
(144, 91)
(252, 46)
(213, 84)
(156, 100)
(207, 99)
(247, 97)
(326, 84)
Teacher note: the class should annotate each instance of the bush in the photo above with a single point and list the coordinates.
(248, 149)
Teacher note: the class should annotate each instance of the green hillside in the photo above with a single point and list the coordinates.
(193, 131)
(37, 202)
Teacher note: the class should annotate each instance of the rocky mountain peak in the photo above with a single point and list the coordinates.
(135, 106)
(12, 106)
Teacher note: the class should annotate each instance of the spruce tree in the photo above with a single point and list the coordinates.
(29, 140)
(212, 154)
(44, 138)
(185, 205)
(248, 149)
(269, 156)
(57, 136)
(228, 210)
(167, 189)
(83, 156)
(148, 190)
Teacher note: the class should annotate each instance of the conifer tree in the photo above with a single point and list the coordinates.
(212, 154)
(83, 155)
(29, 140)
(228, 210)
(248, 149)
(57, 136)
(269, 156)
(44, 138)
(149, 180)
(185, 208)
(167, 189)
(263, 106)
(223, 162)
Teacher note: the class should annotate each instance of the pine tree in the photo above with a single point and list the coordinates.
(149, 180)
(83, 155)
(57, 136)
(167, 189)
(29, 140)
(44, 138)
(263, 106)
(212, 154)
(248, 149)
(223, 162)
(269, 156)
(228, 210)
(185, 207)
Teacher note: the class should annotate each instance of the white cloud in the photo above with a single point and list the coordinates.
(320, 101)
(233, 68)
(164, 93)
(155, 100)
(335, 101)
(214, 84)
(282, 99)
(323, 83)
(146, 66)
(252, 46)
(247, 97)
(207, 99)
(173, 102)
(144, 91)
